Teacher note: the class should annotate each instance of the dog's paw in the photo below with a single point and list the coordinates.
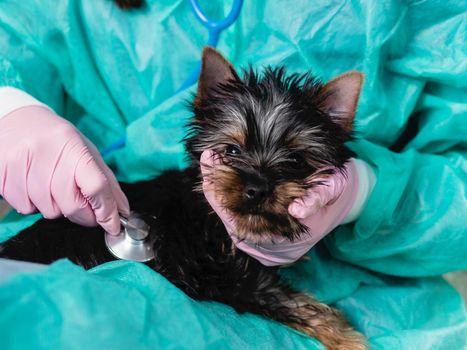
(324, 323)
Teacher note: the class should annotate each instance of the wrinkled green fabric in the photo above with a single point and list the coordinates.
(123, 305)
(113, 73)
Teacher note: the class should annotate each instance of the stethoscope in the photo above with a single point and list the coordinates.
(134, 241)
(214, 28)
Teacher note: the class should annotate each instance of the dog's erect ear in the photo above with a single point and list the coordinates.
(215, 70)
(340, 98)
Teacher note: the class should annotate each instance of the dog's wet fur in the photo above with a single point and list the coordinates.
(272, 135)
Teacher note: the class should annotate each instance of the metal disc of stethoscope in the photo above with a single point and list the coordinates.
(133, 242)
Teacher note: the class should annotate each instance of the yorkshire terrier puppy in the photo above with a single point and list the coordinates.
(272, 134)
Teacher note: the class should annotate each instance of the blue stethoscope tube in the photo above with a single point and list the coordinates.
(214, 29)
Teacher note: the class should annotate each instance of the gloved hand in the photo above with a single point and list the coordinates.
(338, 200)
(47, 165)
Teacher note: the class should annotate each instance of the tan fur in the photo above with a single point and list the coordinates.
(255, 228)
(325, 324)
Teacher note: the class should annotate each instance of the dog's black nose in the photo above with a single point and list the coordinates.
(256, 192)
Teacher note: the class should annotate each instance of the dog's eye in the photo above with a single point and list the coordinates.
(232, 150)
(296, 158)
(296, 161)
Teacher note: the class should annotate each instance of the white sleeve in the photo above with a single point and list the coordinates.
(366, 182)
(12, 99)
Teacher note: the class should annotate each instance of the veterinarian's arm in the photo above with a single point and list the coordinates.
(47, 165)
(339, 200)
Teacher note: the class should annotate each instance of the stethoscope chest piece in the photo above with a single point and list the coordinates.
(133, 242)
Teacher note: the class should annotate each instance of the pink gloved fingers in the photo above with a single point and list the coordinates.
(19, 200)
(319, 196)
(96, 189)
(52, 191)
(300, 208)
(38, 188)
(13, 184)
(207, 163)
(208, 160)
(68, 196)
(309, 204)
(123, 205)
(72, 203)
(338, 197)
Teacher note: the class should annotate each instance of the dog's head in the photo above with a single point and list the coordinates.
(273, 134)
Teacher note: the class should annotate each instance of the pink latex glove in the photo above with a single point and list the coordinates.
(322, 209)
(47, 165)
